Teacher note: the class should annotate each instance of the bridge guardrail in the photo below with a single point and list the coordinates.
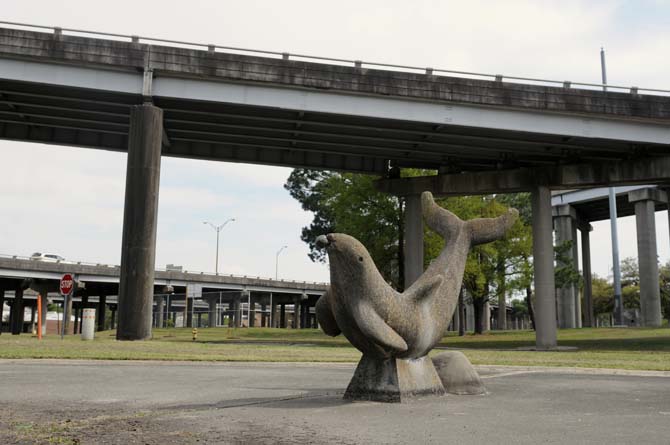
(331, 60)
(159, 269)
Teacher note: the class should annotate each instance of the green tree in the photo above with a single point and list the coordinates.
(349, 203)
(602, 293)
(630, 283)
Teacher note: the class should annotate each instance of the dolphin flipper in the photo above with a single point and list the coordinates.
(372, 326)
(423, 287)
(325, 316)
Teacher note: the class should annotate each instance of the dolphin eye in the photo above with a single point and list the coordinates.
(360, 258)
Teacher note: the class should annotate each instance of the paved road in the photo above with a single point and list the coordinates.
(171, 402)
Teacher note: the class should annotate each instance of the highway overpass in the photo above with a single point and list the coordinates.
(154, 98)
(173, 291)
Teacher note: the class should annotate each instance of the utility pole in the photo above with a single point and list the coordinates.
(277, 262)
(616, 270)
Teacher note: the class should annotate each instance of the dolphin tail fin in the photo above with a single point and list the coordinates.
(482, 230)
(438, 218)
(485, 230)
(372, 326)
(325, 316)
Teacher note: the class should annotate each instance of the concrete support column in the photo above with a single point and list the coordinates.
(282, 315)
(273, 315)
(296, 313)
(252, 313)
(456, 321)
(112, 321)
(487, 317)
(160, 309)
(585, 230)
(102, 308)
(413, 248)
(17, 312)
(199, 320)
(188, 311)
(650, 295)
(138, 251)
(212, 311)
(543, 265)
(564, 218)
(238, 313)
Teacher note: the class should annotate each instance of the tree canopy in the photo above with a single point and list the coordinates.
(349, 203)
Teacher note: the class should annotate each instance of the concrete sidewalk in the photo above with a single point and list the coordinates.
(195, 402)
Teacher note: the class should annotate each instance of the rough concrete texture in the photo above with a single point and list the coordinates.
(457, 374)
(122, 402)
(244, 68)
(393, 379)
(383, 323)
(140, 218)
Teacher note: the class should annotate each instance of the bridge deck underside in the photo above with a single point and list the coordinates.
(598, 210)
(227, 132)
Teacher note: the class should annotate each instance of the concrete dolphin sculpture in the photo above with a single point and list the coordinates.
(395, 331)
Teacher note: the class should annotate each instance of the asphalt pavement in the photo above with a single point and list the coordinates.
(194, 402)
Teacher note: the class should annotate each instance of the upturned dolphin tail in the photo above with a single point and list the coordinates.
(439, 219)
(481, 230)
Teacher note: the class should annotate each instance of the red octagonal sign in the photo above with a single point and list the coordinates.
(66, 284)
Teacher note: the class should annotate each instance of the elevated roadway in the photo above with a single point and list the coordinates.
(152, 98)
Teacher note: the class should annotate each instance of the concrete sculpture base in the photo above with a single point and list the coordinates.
(457, 374)
(394, 380)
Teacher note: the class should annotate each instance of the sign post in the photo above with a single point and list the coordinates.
(66, 286)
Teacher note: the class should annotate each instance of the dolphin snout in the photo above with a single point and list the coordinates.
(322, 241)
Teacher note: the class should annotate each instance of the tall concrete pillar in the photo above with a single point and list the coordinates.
(585, 230)
(486, 325)
(112, 320)
(100, 314)
(212, 312)
(238, 313)
(564, 218)
(543, 265)
(282, 315)
(160, 309)
(199, 320)
(456, 320)
(650, 295)
(470, 317)
(188, 311)
(138, 250)
(576, 291)
(252, 313)
(33, 309)
(296, 313)
(413, 248)
(273, 315)
(17, 312)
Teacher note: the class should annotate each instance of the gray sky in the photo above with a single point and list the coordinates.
(70, 201)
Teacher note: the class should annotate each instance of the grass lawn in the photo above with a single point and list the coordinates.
(642, 349)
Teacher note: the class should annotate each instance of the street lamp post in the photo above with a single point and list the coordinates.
(218, 230)
(277, 262)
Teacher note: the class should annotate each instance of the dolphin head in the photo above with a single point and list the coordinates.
(350, 262)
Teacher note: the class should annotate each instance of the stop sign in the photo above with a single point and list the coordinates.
(66, 284)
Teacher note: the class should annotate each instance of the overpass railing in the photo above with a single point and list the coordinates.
(159, 269)
(339, 61)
